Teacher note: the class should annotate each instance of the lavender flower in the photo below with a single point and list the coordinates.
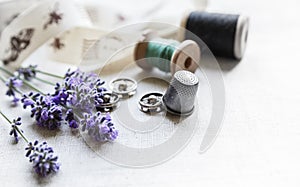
(84, 89)
(28, 72)
(80, 93)
(99, 127)
(42, 157)
(80, 90)
(30, 99)
(70, 118)
(46, 112)
(47, 115)
(60, 96)
(13, 84)
(14, 129)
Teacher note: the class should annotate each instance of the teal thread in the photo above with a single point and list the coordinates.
(159, 54)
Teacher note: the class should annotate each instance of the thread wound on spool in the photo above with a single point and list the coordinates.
(218, 32)
(166, 54)
(159, 54)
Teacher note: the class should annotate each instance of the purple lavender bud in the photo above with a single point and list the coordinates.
(13, 84)
(28, 102)
(99, 127)
(70, 118)
(28, 72)
(15, 100)
(44, 114)
(47, 113)
(104, 129)
(73, 124)
(114, 134)
(60, 96)
(43, 159)
(14, 129)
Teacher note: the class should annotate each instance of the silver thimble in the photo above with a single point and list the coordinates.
(180, 96)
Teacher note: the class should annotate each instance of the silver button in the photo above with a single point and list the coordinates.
(110, 102)
(151, 103)
(123, 87)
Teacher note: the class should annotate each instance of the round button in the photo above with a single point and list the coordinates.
(123, 87)
(110, 102)
(151, 103)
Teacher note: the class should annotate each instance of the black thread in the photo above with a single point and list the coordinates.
(217, 31)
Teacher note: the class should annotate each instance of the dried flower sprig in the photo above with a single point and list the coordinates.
(46, 112)
(75, 99)
(99, 127)
(13, 85)
(43, 158)
(40, 154)
(31, 71)
(14, 129)
(81, 91)
(28, 72)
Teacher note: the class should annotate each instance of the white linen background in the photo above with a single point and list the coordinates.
(257, 146)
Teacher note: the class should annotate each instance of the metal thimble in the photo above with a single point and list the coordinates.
(180, 96)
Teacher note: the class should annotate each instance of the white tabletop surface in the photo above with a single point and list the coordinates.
(259, 141)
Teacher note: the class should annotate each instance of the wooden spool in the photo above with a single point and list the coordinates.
(185, 57)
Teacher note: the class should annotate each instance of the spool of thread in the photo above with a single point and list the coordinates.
(224, 34)
(166, 55)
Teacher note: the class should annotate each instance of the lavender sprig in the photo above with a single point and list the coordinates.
(15, 128)
(43, 158)
(83, 90)
(46, 112)
(13, 84)
(18, 78)
(80, 93)
(30, 72)
(72, 119)
(99, 127)
(27, 73)
(41, 155)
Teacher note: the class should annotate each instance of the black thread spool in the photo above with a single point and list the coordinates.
(224, 34)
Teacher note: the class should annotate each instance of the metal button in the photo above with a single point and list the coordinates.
(110, 102)
(123, 87)
(151, 103)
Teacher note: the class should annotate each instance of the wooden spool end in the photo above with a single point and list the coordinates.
(186, 57)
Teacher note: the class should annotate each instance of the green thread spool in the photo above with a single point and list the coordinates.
(159, 54)
(166, 55)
